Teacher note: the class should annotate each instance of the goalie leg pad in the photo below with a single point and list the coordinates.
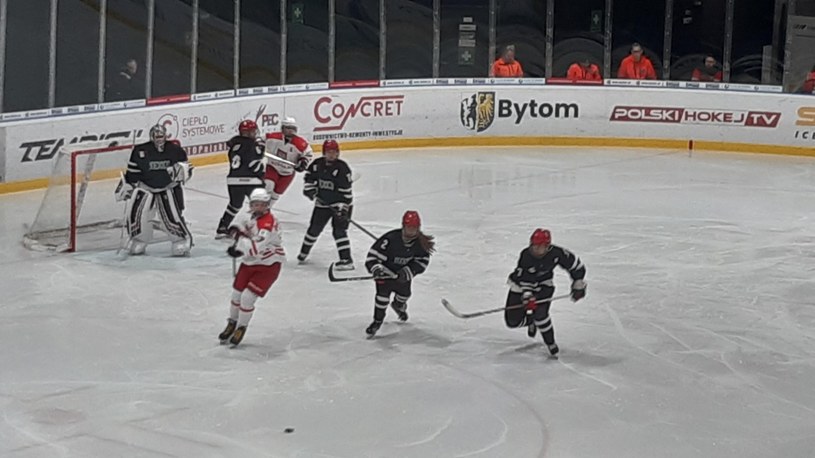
(170, 210)
(141, 211)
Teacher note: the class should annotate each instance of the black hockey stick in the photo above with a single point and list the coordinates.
(458, 314)
(370, 234)
(334, 278)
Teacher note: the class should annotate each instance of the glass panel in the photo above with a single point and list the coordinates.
(77, 53)
(260, 43)
(216, 32)
(172, 47)
(357, 56)
(464, 51)
(409, 39)
(26, 72)
(752, 30)
(523, 23)
(579, 28)
(125, 49)
(307, 46)
(698, 31)
(638, 21)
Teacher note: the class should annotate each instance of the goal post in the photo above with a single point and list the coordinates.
(79, 209)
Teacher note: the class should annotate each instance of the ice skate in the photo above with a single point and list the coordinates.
(227, 332)
(238, 336)
(221, 233)
(371, 330)
(401, 310)
(344, 264)
(553, 350)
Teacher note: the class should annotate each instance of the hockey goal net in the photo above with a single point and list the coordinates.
(79, 209)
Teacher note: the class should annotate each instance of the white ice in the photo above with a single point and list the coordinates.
(697, 337)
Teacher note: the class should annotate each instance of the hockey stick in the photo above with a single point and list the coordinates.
(363, 229)
(334, 278)
(458, 314)
(280, 159)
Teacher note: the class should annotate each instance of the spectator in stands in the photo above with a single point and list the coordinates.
(584, 71)
(636, 66)
(809, 84)
(506, 66)
(709, 72)
(126, 85)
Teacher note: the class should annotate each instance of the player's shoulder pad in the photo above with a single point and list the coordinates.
(267, 221)
(300, 143)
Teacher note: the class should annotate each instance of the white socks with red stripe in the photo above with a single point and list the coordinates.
(247, 307)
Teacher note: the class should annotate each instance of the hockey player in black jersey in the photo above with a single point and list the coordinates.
(328, 184)
(531, 285)
(155, 173)
(394, 259)
(246, 167)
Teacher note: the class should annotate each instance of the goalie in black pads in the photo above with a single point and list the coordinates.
(328, 184)
(153, 184)
(246, 169)
(393, 260)
(531, 285)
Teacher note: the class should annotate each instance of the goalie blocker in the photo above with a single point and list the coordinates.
(152, 185)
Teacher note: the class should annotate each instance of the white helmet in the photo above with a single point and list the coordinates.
(288, 121)
(259, 195)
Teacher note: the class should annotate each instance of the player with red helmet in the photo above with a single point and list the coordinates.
(288, 153)
(531, 284)
(394, 259)
(246, 167)
(328, 184)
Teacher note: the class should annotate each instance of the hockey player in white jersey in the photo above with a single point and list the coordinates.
(156, 172)
(287, 153)
(259, 242)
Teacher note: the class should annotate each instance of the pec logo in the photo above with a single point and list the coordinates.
(170, 122)
(477, 111)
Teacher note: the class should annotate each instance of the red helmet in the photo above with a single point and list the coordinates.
(541, 237)
(248, 126)
(411, 219)
(331, 145)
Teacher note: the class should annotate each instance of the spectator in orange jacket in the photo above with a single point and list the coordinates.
(584, 71)
(636, 66)
(709, 72)
(809, 85)
(506, 66)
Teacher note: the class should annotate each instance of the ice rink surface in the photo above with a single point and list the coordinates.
(697, 336)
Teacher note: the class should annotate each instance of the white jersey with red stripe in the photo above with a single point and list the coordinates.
(261, 240)
(290, 150)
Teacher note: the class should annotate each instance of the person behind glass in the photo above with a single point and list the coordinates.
(809, 84)
(506, 66)
(636, 66)
(709, 72)
(584, 71)
(126, 85)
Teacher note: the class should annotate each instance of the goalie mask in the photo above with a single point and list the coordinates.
(158, 135)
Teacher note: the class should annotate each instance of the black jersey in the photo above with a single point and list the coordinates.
(393, 252)
(148, 165)
(245, 160)
(533, 273)
(331, 180)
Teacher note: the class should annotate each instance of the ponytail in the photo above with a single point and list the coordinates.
(427, 242)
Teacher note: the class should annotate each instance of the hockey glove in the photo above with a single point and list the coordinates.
(124, 191)
(381, 272)
(311, 193)
(405, 275)
(234, 252)
(301, 165)
(578, 290)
